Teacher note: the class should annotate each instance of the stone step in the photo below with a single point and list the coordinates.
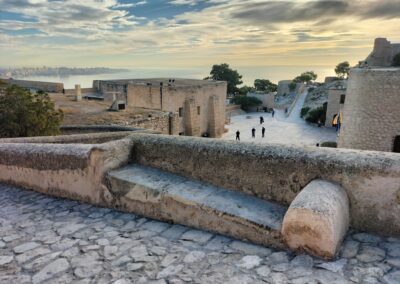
(168, 197)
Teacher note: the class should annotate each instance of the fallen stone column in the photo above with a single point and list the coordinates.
(317, 219)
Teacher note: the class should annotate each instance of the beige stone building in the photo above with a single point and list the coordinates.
(336, 99)
(371, 114)
(197, 107)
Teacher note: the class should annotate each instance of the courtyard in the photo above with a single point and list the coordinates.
(279, 129)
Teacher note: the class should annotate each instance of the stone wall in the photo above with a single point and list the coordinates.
(271, 172)
(278, 172)
(371, 119)
(383, 53)
(83, 91)
(198, 115)
(37, 85)
(268, 100)
(334, 105)
(72, 171)
(89, 138)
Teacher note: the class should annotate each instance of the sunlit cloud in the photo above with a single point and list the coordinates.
(192, 33)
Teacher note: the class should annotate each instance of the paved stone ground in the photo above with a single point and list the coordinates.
(279, 129)
(51, 240)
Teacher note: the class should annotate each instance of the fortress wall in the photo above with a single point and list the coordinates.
(271, 172)
(44, 86)
(83, 91)
(73, 171)
(92, 138)
(371, 115)
(279, 172)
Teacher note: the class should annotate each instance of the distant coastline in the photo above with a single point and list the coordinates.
(25, 72)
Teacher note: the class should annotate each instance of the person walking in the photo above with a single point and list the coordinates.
(238, 135)
(261, 120)
(253, 133)
(273, 112)
(263, 132)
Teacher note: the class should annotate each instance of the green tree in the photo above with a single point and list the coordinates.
(292, 86)
(265, 85)
(342, 69)
(396, 60)
(246, 102)
(245, 89)
(306, 77)
(223, 72)
(23, 114)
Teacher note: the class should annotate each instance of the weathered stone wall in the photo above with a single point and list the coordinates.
(268, 100)
(334, 105)
(90, 138)
(144, 96)
(83, 91)
(70, 171)
(371, 117)
(278, 172)
(159, 123)
(170, 97)
(37, 85)
(383, 53)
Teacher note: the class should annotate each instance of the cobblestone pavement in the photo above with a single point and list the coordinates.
(51, 240)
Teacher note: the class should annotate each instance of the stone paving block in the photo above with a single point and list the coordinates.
(317, 219)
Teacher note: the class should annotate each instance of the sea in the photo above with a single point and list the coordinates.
(249, 73)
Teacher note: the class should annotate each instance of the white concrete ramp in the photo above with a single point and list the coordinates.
(169, 197)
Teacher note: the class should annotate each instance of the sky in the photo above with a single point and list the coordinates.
(192, 33)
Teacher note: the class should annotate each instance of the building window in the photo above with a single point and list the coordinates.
(342, 98)
(396, 144)
(180, 111)
(198, 110)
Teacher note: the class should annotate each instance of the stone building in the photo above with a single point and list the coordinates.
(371, 114)
(197, 107)
(336, 99)
(383, 54)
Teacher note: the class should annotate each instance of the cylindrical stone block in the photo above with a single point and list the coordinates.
(317, 219)
(78, 94)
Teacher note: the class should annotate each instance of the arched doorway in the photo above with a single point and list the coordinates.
(396, 144)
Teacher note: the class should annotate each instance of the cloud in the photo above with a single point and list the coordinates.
(198, 32)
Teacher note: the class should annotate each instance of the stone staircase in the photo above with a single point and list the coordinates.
(169, 197)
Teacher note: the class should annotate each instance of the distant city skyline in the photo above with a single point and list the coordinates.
(192, 34)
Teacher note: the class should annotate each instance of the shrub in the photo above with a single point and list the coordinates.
(316, 114)
(330, 144)
(246, 102)
(304, 111)
(292, 86)
(23, 114)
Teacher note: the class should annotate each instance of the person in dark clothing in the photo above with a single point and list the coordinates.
(317, 144)
(63, 91)
(261, 120)
(273, 112)
(253, 133)
(319, 123)
(237, 135)
(263, 132)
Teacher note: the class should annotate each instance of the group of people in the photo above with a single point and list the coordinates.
(253, 130)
